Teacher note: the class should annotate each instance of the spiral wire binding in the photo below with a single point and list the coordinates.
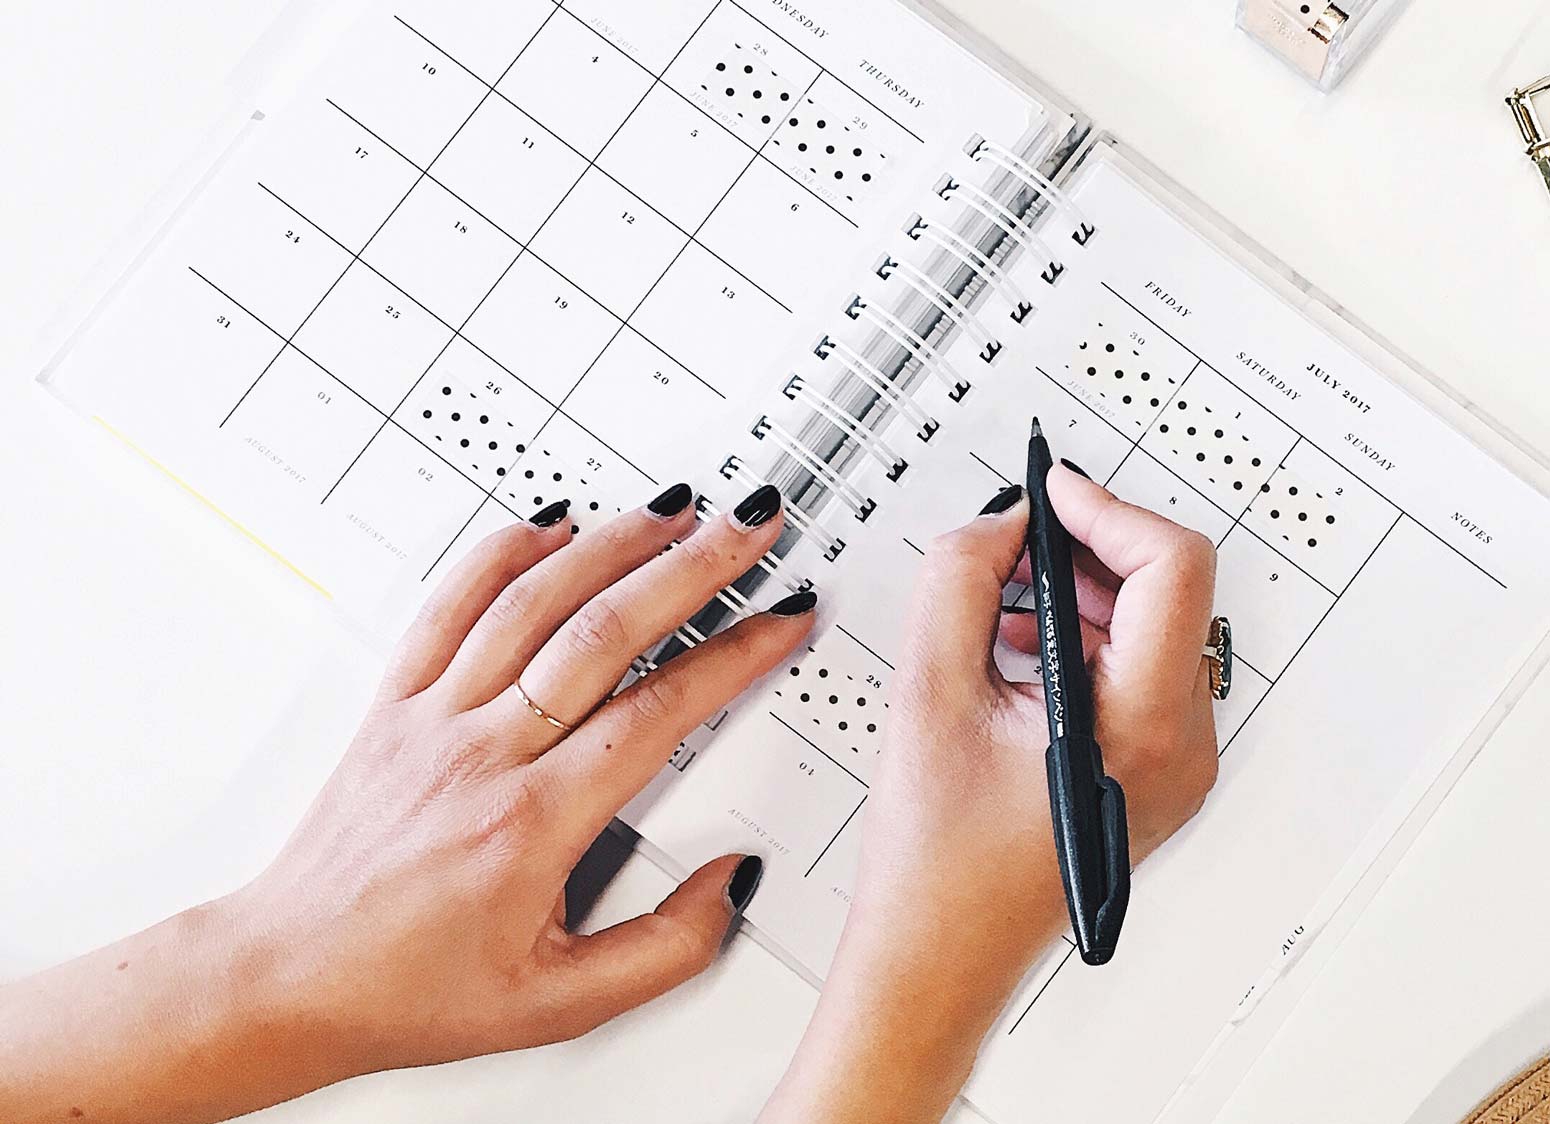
(879, 383)
(927, 355)
(981, 149)
(797, 389)
(841, 423)
(954, 246)
(950, 305)
(975, 199)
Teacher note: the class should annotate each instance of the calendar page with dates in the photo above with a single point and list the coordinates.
(499, 254)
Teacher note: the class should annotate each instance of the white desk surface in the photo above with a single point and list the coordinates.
(171, 699)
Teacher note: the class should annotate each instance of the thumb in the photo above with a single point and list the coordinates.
(956, 609)
(621, 967)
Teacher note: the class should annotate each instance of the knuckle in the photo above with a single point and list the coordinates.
(599, 629)
(511, 608)
(658, 699)
(690, 948)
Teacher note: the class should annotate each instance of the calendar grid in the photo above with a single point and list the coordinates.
(600, 171)
(355, 255)
(1312, 444)
(657, 81)
(487, 493)
(270, 328)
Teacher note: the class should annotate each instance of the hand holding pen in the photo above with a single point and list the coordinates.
(959, 890)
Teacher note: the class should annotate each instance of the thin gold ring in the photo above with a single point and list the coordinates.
(565, 727)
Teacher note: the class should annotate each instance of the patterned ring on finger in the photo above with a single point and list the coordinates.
(1218, 654)
(559, 724)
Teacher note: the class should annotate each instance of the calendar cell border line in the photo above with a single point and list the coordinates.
(656, 81)
(835, 837)
(873, 652)
(1399, 518)
(1043, 987)
(1231, 382)
(600, 171)
(489, 493)
(821, 750)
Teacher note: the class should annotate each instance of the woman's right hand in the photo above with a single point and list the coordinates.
(959, 891)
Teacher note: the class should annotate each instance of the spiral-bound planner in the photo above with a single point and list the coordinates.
(494, 255)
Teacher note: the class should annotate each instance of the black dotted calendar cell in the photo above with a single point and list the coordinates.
(1319, 515)
(821, 149)
(1118, 363)
(540, 476)
(1219, 440)
(740, 74)
(741, 85)
(835, 693)
(472, 414)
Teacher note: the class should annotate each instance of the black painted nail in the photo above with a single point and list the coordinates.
(1004, 500)
(745, 880)
(549, 516)
(795, 604)
(671, 502)
(759, 508)
(1076, 468)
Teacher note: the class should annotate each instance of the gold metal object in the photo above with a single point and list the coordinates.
(1525, 107)
(541, 712)
(1218, 654)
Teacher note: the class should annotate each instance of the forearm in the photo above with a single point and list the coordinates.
(183, 1023)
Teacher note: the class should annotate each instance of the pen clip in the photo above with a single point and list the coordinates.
(1116, 860)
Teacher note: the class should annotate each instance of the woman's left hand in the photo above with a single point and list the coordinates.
(417, 915)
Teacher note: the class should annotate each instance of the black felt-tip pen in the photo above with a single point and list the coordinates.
(1092, 843)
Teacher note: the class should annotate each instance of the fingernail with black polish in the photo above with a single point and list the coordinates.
(745, 880)
(795, 605)
(1076, 468)
(549, 516)
(1004, 500)
(759, 508)
(671, 502)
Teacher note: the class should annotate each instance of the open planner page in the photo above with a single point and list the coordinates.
(498, 254)
(1383, 578)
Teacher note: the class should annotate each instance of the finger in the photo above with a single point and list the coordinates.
(621, 967)
(604, 764)
(1083, 561)
(956, 608)
(1163, 609)
(430, 643)
(529, 609)
(582, 663)
(1021, 631)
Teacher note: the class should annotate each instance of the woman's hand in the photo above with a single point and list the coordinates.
(959, 891)
(418, 913)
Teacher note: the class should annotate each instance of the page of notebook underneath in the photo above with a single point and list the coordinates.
(1379, 571)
